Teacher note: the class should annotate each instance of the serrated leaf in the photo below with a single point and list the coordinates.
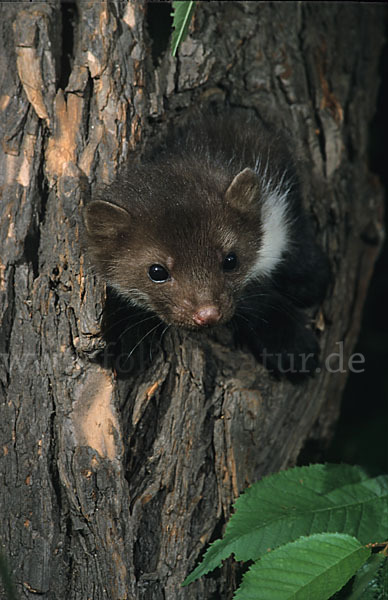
(182, 13)
(301, 501)
(314, 567)
(371, 580)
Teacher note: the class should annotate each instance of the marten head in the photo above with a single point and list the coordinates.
(184, 242)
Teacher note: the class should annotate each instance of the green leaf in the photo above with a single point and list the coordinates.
(314, 567)
(371, 580)
(182, 13)
(301, 501)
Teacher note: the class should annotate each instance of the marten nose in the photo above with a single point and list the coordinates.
(206, 315)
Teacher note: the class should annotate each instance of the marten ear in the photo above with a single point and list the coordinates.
(244, 191)
(105, 221)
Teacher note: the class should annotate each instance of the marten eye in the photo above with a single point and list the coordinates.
(158, 274)
(230, 262)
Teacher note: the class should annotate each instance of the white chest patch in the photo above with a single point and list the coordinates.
(275, 231)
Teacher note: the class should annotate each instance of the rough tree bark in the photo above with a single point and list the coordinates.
(111, 487)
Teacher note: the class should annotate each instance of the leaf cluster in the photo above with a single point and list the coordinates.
(308, 531)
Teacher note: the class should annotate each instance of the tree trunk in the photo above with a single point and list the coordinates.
(112, 486)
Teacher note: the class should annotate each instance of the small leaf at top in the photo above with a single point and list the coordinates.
(182, 13)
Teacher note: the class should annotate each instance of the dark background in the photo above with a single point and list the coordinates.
(362, 431)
